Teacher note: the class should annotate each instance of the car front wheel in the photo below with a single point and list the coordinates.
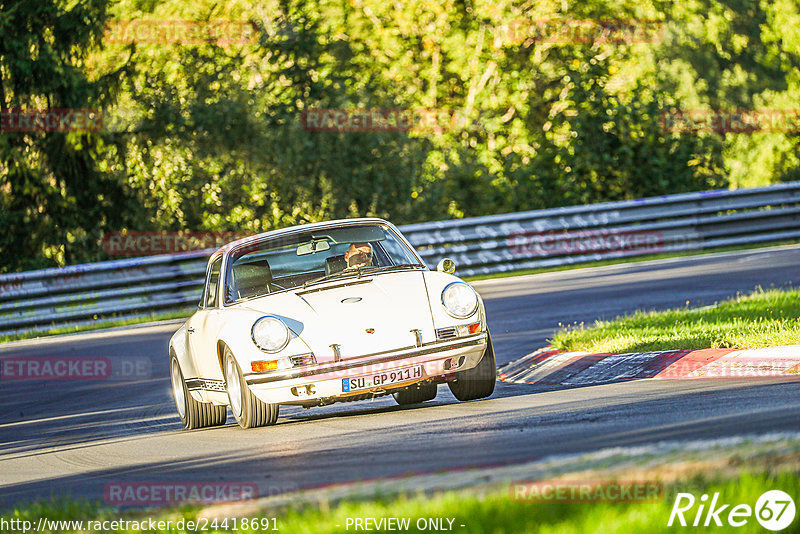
(193, 414)
(248, 410)
(478, 382)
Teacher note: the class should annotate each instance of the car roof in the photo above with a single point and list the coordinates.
(299, 228)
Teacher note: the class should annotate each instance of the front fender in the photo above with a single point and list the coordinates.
(178, 348)
(236, 335)
(436, 282)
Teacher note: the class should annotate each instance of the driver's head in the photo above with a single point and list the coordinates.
(358, 255)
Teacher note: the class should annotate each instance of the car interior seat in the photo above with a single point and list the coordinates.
(335, 264)
(251, 279)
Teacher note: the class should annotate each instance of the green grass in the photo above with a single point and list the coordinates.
(98, 325)
(761, 319)
(495, 512)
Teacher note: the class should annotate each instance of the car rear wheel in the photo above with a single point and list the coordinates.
(193, 414)
(478, 382)
(415, 394)
(248, 410)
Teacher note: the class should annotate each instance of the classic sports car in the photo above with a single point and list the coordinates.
(321, 313)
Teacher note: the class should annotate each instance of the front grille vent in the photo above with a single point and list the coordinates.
(449, 332)
(303, 359)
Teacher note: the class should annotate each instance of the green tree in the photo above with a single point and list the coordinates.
(55, 199)
(218, 140)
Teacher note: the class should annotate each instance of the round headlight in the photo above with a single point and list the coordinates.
(270, 334)
(459, 300)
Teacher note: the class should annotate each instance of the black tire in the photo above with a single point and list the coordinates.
(478, 382)
(193, 414)
(416, 394)
(249, 411)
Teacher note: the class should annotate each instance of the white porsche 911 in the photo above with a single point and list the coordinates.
(321, 313)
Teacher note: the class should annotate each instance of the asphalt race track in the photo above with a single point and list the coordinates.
(74, 438)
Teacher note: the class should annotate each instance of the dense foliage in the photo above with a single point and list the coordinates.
(535, 106)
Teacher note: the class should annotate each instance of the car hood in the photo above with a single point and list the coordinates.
(363, 316)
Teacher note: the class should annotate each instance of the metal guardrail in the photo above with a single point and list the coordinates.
(54, 298)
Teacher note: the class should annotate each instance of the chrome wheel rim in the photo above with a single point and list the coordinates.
(177, 389)
(234, 386)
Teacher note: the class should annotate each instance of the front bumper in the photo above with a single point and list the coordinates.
(304, 385)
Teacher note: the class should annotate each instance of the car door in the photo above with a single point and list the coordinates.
(203, 326)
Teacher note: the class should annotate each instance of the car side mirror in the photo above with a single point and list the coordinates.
(446, 265)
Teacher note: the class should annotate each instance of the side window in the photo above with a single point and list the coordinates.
(212, 284)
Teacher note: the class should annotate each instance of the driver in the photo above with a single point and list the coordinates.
(358, 255)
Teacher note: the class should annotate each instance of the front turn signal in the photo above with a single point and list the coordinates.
(264, 365)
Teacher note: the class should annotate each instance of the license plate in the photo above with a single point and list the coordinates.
(381, 379)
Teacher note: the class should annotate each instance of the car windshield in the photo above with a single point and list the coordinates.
(302, 259)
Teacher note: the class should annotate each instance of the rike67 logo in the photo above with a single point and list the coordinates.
(774, 510)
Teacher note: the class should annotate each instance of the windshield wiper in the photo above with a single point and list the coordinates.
(361, 270)
(372, 269)
(330, 277)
